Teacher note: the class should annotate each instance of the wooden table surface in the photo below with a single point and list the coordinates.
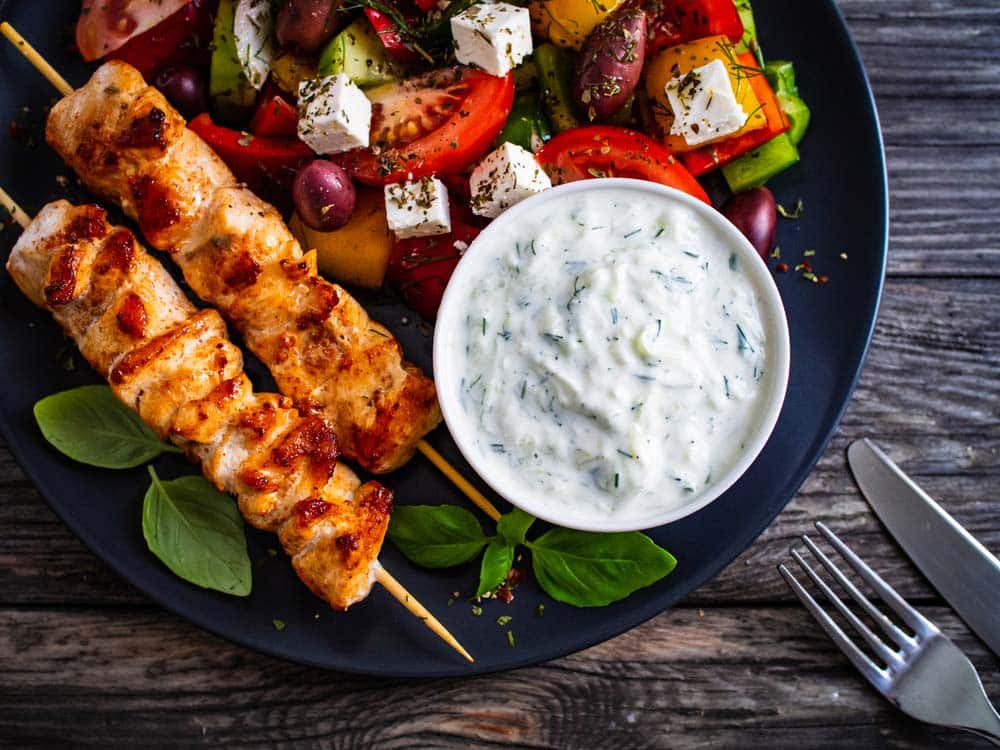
(85, 659)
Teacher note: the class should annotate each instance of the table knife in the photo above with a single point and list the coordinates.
(963, 571)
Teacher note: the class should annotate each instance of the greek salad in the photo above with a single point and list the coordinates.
(393, 131)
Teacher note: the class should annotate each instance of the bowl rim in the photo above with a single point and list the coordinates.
(772, 314)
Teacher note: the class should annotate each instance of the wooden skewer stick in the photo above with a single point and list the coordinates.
(382, 576)
(36, 59)
(423, 446)
(13, 209)
(458, 480)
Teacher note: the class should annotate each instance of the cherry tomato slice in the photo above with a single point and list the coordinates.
(436, 124)
(182, 37)
(673, 22)
(608, 151)
(419, 268)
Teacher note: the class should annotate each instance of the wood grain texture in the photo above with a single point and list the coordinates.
(87, 661)
(658, 686)
(935, 70)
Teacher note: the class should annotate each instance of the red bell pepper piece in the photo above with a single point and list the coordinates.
(673, 22)
(182, 37)
(716, 154)
(420, 267)
(267, 165)
(275, 118)
(426, 5)
(391, 36)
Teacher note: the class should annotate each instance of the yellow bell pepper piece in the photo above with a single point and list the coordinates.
(681, 60)
(568, 23)
(358, 252)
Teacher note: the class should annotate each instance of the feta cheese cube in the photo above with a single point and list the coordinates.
(417, 209)
(334, 114)
(493, 36)
(704, 104)
(505, 177)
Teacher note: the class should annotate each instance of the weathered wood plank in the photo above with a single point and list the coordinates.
(929, 395)
(942, 207)
(726, 677)
(936, 51)
(125, 674)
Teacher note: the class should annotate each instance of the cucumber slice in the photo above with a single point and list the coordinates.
(231, 93)
(749, 41)
(758, 166)
(781, 75)
(798, 114)
(358, 52)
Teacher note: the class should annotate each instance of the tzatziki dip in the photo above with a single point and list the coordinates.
(610, 357)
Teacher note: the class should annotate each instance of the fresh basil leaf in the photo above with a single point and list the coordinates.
(496, 562)
(91, 426)
(197, 532)
(591, 570)
(436, 536)
(514, 525)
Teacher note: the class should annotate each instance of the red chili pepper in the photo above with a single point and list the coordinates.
(391, 36)
(716, 154)
(274, 118)
(267, 165)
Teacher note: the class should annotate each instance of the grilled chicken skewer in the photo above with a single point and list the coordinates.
(128, 144)
(422, 445)
(175, 366)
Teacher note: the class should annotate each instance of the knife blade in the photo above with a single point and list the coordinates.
(963, 571)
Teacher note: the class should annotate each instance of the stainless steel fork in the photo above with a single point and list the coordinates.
(924, 675)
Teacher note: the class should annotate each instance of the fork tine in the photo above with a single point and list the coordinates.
(885, 623)
(920, 624)
(866, 666)
(886, 654)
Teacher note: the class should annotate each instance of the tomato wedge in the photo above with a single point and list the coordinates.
(716, 154)
(673, 22)
(608, 151)
(182, 37)
(106, 25)
(436, 124)
(419, 268)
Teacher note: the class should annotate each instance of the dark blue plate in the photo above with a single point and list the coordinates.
(842, 183)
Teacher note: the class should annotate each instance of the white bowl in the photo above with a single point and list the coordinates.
(447, 365)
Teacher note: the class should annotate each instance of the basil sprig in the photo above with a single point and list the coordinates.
(581, 568)
(194, 529)
(91, 426)
(197, 532)
(436, 537)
